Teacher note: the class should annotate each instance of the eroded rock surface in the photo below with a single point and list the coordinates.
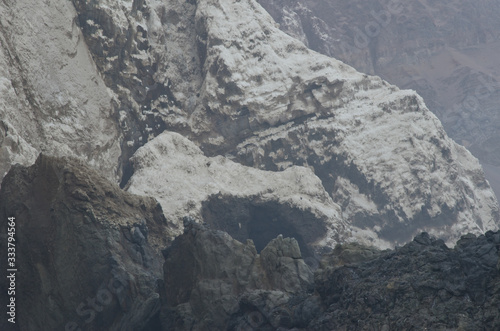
(423, 284)
(271, 138)
(90, 258)
(51, 94)
(271, 103)
(209, 276)
(117, 74)
(446, 51)
(247, 203)
(88, 254)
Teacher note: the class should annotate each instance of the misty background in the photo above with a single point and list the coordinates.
(445, 50)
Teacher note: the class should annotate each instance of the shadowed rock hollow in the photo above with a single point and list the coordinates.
(263, 221)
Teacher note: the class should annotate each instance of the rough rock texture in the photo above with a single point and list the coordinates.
(238, 86)
(271, 103)
(223, 75)
(247, 203)
(13, 149)
(446, 51)
(493, 175)
(209, 275)
(90, 257)
(422, 285)
(270, 138)
(52, 97)
(80, 238)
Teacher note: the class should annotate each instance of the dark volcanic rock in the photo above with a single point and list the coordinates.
(210, 277)
(87, 253)
(422, 285)
(88, 256)
(213, 282)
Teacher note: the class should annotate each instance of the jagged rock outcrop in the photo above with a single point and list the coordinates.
(379, 152)
(446, 51)
(270, 138)
(209, 276)
(423, 284)
(264, 99)
(88, 254)
(13, 149)
(90, 257)
(223, 75)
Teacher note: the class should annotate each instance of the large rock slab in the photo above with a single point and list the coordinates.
(247, 203)
(422, 284)
(87, 253)
(446, 51)
(209, 275)
(271, 103)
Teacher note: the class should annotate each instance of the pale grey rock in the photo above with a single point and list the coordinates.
(223, 75)
(13, 149)
(51, 92)
(270, 103)
(185, 182)
(446, 51)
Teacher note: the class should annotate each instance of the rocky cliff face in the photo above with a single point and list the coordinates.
(223, 75)
(224, 119)
(270, 103)
(423, 284)
(89, 256)
(247, 203)
(53, 98)
(207, 273)
(88, 253)
(446, 51)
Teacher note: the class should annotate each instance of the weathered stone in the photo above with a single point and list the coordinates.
(432, 48)
(72, 247)
(52, 97)
(284, 267)
(245, 202)
(209, 276)
(117, 74)
(423, 284)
